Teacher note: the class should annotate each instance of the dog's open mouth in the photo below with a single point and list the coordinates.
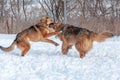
(51, 25)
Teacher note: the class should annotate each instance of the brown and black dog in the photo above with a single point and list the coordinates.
(80, 37)
(38, 32)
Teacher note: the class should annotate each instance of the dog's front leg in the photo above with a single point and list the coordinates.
(49, 41)
(51, 34)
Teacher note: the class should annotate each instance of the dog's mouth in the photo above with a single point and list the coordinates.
(51, 25)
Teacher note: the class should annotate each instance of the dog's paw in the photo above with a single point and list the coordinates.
(56, 44)
(22, 55)
(56, 36)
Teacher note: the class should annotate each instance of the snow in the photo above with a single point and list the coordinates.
(45, 61)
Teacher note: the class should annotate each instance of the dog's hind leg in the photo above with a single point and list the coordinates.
(81, 51)
(24, 46)
(25, 50)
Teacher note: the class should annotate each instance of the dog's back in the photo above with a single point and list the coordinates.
(76, 32)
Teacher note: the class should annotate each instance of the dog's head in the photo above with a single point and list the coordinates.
(56, 26)
(46, 20)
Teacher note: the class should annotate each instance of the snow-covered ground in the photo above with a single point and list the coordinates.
(45, 62)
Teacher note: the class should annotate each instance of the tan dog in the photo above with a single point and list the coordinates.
(80, 37)
(38, 32)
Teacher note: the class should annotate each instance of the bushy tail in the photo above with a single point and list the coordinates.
(101, 37)
(10, 48)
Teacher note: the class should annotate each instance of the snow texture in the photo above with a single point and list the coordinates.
(45, 61)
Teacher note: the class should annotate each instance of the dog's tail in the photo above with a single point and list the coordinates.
(102, 37)
(10, 48)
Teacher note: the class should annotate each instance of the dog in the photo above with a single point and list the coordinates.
(35, 33)
(82, 38)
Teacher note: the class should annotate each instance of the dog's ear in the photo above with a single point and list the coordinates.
(59, 23)
(59, 26)
(44, 19)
